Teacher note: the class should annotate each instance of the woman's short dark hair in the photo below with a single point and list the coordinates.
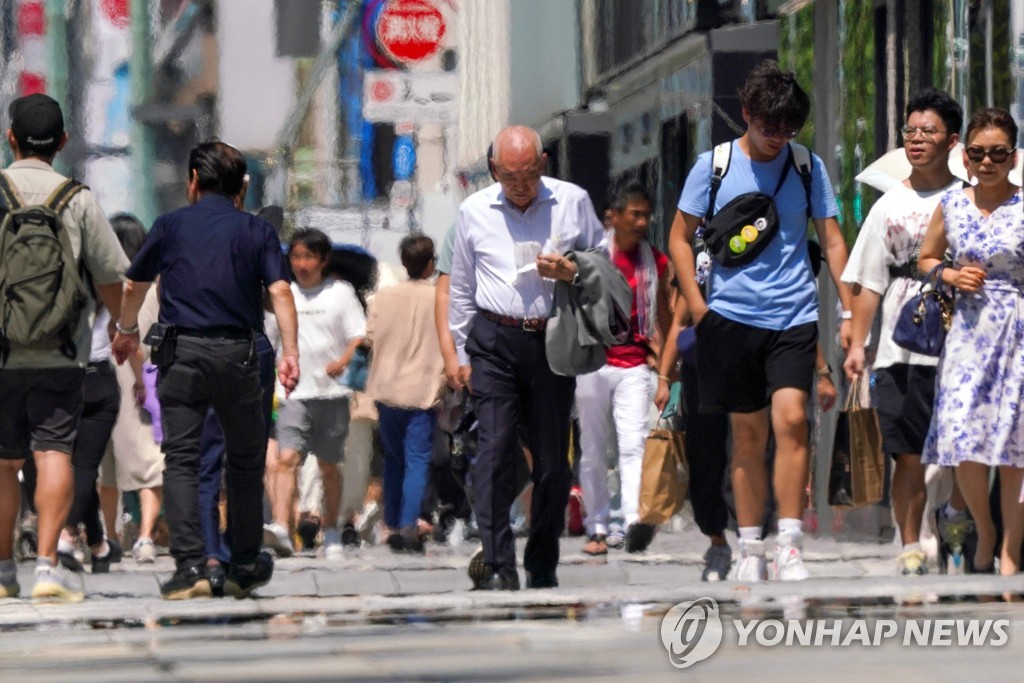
(939, 101)
(993, 117)
(218, 166)
(312, 239)
(416, 252)
(773, 97)
(632, 192)
(130, 233)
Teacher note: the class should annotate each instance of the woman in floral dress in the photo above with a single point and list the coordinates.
(978, 421)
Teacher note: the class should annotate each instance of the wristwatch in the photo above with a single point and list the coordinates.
(825, 371)
(134, 329)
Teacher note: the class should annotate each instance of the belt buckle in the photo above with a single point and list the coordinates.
(530, 325)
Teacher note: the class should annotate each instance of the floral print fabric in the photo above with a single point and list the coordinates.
(978, 411)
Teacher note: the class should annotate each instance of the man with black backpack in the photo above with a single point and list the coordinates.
(54, 241)
(757, 332)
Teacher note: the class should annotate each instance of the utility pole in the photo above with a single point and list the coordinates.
(57, 59)
(141, 74)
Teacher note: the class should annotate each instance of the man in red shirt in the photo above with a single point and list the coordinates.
(620, 393)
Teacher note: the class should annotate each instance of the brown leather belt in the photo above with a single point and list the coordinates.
(525, 324)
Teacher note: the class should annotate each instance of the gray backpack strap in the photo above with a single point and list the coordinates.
(801, 157)
(62, 196)
(9, 193)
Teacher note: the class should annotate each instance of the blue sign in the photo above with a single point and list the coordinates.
(403, 157)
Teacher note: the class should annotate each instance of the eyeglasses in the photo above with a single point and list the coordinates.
(910, 132)
(998, 154)
(778, 133)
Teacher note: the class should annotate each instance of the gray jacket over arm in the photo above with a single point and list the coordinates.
(588, 316)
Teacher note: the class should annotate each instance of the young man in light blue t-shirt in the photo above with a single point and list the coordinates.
(757, 332)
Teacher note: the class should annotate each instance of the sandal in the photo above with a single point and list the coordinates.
(596, 545)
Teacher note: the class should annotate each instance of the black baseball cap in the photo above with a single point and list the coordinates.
(37, 123)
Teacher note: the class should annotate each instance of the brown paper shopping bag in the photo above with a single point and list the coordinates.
(857, 475)
(665, 476)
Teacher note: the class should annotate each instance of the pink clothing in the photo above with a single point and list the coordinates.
(635, 351)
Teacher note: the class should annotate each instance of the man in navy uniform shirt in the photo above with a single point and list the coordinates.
(214, 261)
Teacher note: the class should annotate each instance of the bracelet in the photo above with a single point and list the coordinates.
(825, 371)
(134, 329)
(846, 315)
(666, 378)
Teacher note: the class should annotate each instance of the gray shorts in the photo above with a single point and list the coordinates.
(316, 425)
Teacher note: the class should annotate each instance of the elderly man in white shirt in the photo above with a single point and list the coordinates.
(509, 246)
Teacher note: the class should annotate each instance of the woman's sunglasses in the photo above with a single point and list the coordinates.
(998, 154)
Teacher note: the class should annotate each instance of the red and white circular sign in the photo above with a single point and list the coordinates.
(382, 91)
(410, 30)
(117, 12)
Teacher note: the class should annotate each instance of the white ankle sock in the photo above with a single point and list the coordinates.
(793, 528)
(749, 533)
(104, 550)
(65, 547)
(910, 547)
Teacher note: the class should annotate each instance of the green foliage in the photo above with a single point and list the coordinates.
(855, 124)
(856, 113)
(1002, 56)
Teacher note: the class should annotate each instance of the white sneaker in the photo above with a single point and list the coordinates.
(276, 538)
(788, 564)
(57, 584)
(751, 567)
(144, 551)
(333, 550)
(913, 563)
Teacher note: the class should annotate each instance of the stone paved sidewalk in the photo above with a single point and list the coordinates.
(373, 581)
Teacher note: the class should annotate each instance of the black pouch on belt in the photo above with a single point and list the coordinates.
(163, 339)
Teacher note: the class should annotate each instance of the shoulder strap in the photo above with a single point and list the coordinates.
(720, 160)
(802, 161)
(8, 193)
(63, 195)
(785, 170)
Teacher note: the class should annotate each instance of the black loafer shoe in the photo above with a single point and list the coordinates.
(397, 543)
(186, 584)
(350, 537)
(503, 579)
(70, 562)
(218, 578)
(241, 582)
(116, 552)
(542, 579)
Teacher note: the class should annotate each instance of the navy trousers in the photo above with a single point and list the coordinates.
(211, 462)
(512, 382)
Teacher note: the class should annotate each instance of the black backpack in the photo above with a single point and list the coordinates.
(740, 231)
(42, 295)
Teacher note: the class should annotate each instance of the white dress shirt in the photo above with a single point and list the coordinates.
(496, 245)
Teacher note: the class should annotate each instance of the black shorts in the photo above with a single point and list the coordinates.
(739, 367)
(41, 410)
(903, 396)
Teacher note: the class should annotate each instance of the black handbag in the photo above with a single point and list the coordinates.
(926, 318)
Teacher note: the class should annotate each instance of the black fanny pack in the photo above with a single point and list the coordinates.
(740, 231)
